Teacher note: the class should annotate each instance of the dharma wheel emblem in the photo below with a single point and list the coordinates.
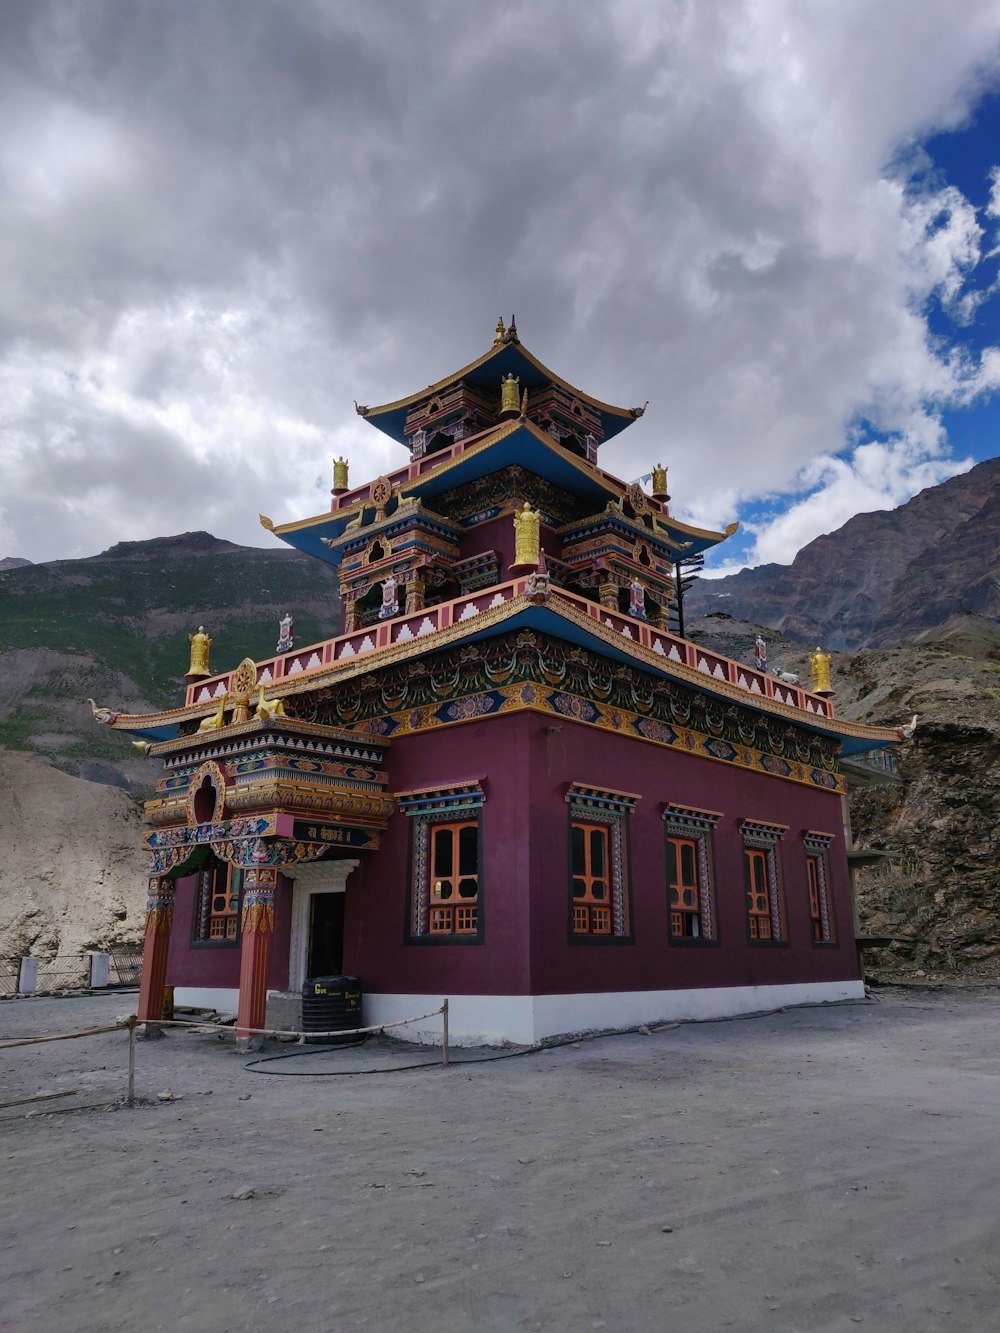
(381, 492)
(244, 681)
(241, 687)
(638, 499)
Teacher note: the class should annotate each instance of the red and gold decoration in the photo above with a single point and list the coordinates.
(509, 643)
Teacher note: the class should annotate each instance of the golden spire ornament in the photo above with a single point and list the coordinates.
(526, 537)
(340, 484)
(500, 336)
(819, 664)
(510, 395)
(200, 644)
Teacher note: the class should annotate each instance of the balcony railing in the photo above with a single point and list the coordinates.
(424, 624)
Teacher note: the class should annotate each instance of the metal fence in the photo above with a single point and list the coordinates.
(64, 972)
(126, 965)
(31, 975)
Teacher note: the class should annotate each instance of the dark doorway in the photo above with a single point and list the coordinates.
(326, 935)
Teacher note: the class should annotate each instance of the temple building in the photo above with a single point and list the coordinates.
(508, 781)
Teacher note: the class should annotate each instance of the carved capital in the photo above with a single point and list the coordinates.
(159, 905)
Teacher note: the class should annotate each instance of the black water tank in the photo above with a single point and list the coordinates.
(331, 1004)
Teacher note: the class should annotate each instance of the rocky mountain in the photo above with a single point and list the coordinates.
(932, 881)
(114, 627)
(938, 891)
(883, 577)
(12, 562)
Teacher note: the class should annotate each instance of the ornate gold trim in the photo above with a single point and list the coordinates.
(689, 741)
(377, 658)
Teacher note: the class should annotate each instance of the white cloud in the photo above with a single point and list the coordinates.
(710, 206)
(877, 475)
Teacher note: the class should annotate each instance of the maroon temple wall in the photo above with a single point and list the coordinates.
(377, 947)
(528, 762)
(569, 752)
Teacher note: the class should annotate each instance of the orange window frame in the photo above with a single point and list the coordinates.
(759, 890)
(453, 891)
(685, 889)
(590, 875)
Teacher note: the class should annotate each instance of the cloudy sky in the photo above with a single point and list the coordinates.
(222, 221)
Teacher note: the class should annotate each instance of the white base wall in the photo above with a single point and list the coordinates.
(487, 1020)
(222, 998)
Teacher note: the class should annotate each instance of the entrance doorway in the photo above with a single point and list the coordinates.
(316, 947)
(325, 951)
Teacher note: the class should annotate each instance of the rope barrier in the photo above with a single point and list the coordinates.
(205, 1025)
(60, 1036)
(132, 1023)
(129, 1024)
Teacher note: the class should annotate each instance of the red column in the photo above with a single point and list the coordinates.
(156, 946)
(257, 926)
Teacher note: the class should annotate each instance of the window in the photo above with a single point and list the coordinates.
(591, 900)
(689, 872)
(454, 891)
(599, 906)
(445, 891)
(217, 904)
(685, 902)
(758, 895)
(764, 896)
(821, 919)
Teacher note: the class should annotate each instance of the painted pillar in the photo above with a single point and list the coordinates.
(156, 946)
(257, 927)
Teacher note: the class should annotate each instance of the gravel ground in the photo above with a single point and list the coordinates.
(819, 1169)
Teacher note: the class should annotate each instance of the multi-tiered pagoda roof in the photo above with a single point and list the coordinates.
(458, 435)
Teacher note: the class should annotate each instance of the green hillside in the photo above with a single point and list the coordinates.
(115, 627)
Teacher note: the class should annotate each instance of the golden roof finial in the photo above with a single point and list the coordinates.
(501, 333)
(819, 663)
(526, 536)
(510, 395)
(200, 644)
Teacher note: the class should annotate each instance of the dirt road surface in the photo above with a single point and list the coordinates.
(818, 1170)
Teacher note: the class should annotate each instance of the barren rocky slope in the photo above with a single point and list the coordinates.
(882, 578)
(72, 874)
(938, 893)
